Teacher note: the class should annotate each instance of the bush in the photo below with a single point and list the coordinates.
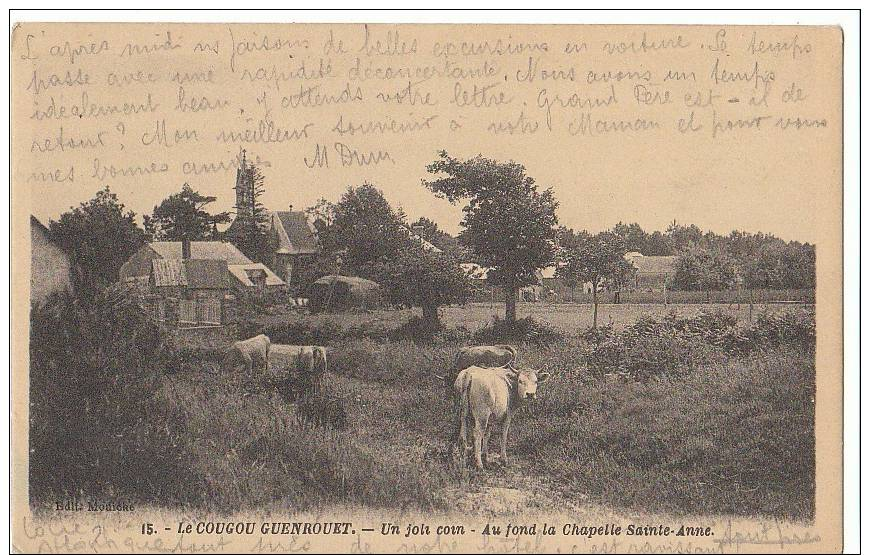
(795, 329)
(522, 330)
(96, 425)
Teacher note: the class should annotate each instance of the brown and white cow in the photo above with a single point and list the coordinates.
(248, 352)
(487, 396)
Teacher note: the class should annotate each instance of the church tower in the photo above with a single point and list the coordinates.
(244, 190)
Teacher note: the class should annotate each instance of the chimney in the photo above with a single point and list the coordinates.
(185, 248)
(291, 207)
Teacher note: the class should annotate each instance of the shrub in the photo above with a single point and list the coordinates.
(96, 424)
(795, 329)
(523, 330)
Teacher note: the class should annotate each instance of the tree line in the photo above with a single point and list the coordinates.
(509, 225)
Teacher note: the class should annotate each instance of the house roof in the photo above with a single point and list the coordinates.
(201, 250)
(239, 271)
(193, 273)
(207, 274)
(296, 235)
(427, 246)
(654, 264)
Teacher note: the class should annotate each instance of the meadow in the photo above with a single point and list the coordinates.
(683, 409)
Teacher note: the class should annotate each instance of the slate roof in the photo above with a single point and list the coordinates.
(296, 235)
(193, 273)
(201, 250)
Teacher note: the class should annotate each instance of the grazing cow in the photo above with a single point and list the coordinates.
(248, 352)
(305, 364)
(485, 356)
(487, 396)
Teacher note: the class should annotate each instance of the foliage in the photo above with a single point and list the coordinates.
(365, 229)
(375, 243)
(677, 346)
(508, 223)
(183, 216)
(97, 426)
(700, 269)
(250, 230)
(100, 236)
(417, 277)
(524, 329)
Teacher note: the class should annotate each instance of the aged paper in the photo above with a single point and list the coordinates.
(676, 388)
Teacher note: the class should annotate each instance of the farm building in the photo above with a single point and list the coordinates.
(50, 265)
(198, 271)
(332, 293)
(294, 243)
(653, 272)
(189, 292)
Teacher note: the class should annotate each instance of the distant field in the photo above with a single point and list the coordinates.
(571, 318)
(566, 317)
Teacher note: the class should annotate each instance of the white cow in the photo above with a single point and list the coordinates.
(488, 396)
(248, 352)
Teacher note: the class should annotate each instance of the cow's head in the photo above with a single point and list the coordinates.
(528, 380)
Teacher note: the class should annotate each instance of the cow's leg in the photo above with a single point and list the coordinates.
(479, 431)
(486, 434)
(463, 434)
(504, 437)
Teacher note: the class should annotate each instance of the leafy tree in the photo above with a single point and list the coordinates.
(682, 236)
(100, 236)
(421, 278)
(364, 229)
(373, 241)
(183, 216)
(508, 223)
(705, 269)
(322, 214)
(597, 259)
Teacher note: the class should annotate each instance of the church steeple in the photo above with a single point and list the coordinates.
(244, 189)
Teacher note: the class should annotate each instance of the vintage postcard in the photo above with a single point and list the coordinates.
(409, 288)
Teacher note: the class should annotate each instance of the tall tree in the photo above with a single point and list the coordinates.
(596, 259)
(182, 215)
(100, 236)
(374, 242)
(364, 228)
(700, 268)
(508, 223)
(420, 278)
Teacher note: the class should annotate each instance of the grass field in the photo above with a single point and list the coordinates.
(729, 435)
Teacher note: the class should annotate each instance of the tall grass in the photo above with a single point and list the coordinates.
(691, 428)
